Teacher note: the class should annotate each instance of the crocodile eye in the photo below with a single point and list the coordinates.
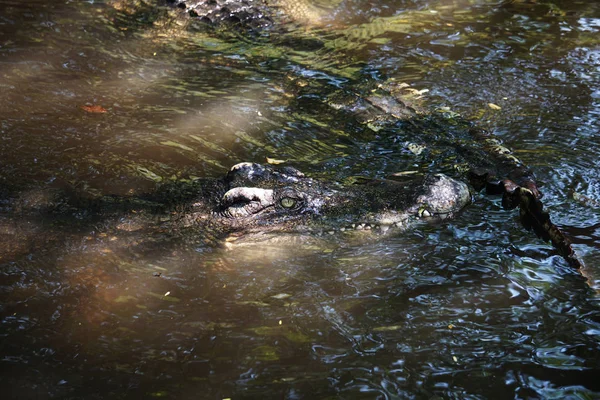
(288, 202)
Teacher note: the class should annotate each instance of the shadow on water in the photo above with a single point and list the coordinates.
(473, 308)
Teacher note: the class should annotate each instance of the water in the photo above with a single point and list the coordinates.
(473, 308)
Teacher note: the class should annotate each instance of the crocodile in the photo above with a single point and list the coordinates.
(436, 140)
(266, 198)
(250, 199)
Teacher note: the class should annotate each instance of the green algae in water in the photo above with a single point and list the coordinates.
(159, 394)
(285, 331)
(177, 145)
(265, 353)
(124, 299)
(149, 174)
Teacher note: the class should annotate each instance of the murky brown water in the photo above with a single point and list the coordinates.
(475, 308)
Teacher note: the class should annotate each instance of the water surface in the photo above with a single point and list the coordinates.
(473, 308)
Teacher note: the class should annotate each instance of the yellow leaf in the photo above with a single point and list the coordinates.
(274, 161)
(494, 106)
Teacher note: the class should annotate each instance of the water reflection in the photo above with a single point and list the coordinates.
(475, 308)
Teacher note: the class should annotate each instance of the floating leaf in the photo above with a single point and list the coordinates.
(274, 161)
(94, 109)
(405, 173)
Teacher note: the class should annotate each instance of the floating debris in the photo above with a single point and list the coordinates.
(94, 109)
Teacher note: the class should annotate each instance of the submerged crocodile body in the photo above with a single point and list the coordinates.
(444, 141)
(249, 13)
(438, 141)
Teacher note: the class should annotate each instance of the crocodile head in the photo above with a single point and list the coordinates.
(265, 198)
